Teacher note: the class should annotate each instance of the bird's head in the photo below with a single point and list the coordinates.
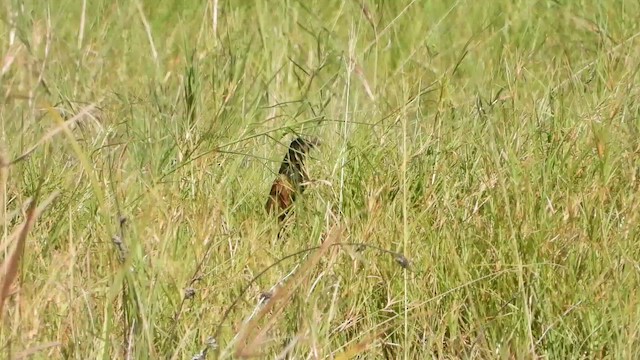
(302, 146)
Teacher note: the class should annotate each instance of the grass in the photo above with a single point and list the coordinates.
(493, 144)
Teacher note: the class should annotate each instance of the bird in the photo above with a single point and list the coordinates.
(292, 178)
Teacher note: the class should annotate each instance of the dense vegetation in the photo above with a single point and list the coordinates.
(484, 156)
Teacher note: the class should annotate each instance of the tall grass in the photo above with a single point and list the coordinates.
(479, 169)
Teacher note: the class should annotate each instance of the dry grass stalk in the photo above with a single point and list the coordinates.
(247, 344)
(12, 262)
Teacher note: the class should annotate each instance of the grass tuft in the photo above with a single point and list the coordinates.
(480, 161)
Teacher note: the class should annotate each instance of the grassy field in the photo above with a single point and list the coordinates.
(495, 146)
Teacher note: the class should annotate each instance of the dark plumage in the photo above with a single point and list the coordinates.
(291, 179)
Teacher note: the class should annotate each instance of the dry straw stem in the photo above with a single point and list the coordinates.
(280, 299)
(11, 264)
(85, 111)
(27, 354)
(362, 346)
(8, 218)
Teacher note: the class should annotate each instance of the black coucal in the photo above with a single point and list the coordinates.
(291, 179)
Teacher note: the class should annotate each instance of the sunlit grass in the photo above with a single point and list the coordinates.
(493, 144)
